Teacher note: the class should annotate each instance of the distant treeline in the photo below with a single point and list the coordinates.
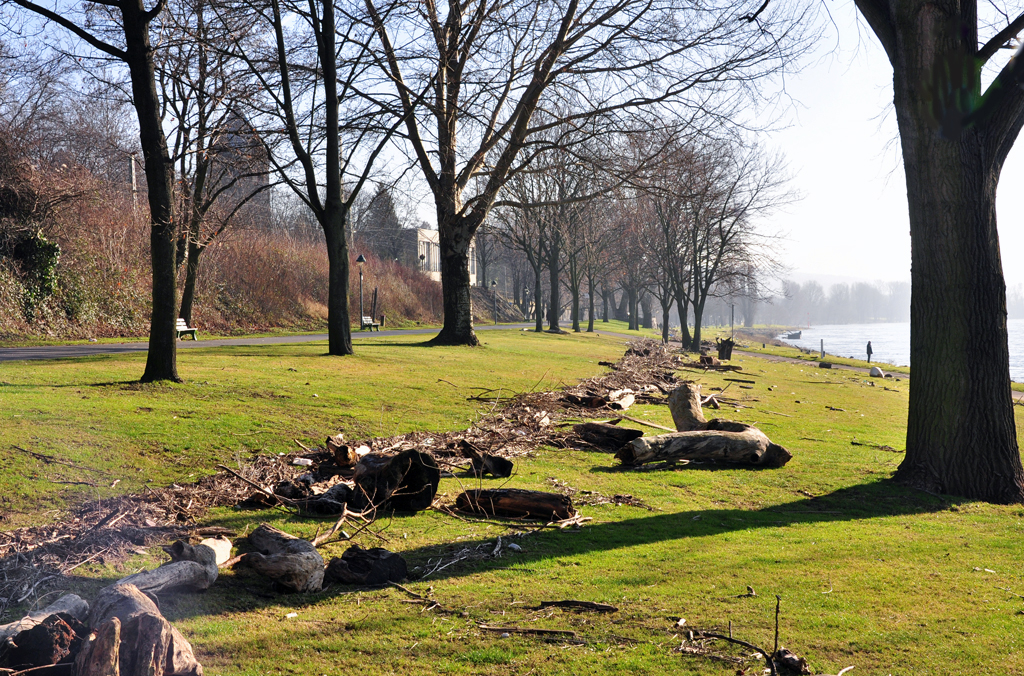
(858, 303)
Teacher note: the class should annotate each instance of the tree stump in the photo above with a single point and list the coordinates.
(684, 403)
(290, 561)
(131, 638)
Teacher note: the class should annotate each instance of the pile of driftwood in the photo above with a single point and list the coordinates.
(355, 480)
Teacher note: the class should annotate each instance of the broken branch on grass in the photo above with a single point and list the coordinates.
(51, 460)
(528, 630)
(769, 662)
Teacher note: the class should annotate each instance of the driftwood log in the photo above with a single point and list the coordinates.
(290, 561)
(191, 568)
(50, 642)
(606, 436)
(70, 603)
(517, 503)
(406, 482)
(366, 566)
(698, 439)
(131, 638)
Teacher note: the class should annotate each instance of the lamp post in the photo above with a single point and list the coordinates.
(360, 261)
(494, 291)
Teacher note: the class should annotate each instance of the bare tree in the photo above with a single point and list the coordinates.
(127, 23)
(728, 187)
(493, 64)
(306, 73)
(221, 165)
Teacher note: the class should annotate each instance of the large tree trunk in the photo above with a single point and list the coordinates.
(455, 235)
(339, 327)
(161, 360)
(961, 437)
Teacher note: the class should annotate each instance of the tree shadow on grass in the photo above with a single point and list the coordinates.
(245, 591)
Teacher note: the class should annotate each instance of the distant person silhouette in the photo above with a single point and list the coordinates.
(869, 351)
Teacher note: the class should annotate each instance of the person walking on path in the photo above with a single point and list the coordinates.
(869, 351)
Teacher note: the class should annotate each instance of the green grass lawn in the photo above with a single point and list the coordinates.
(870, 574)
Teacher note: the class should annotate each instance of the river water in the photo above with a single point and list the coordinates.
(891, 342)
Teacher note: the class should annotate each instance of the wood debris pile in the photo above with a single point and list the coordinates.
(107, 531)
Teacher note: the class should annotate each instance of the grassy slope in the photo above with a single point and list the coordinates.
(870, 574)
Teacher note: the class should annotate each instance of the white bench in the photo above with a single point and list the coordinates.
(183, 329)
(368, 323)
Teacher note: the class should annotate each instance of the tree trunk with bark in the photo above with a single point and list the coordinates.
(961, 436)
(339, 325)
(455, 235)
(161, 359)
(590, 308)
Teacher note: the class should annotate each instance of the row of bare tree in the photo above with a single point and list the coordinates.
(325, 94)
(677, 226)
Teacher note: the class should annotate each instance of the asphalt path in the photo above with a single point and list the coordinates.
(90, 350)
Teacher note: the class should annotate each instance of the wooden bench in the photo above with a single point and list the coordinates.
(368, 323)
(183, 329)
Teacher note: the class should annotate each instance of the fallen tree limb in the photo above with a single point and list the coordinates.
(528, 630)
(583, 605)
(192, 568)
(516, 502)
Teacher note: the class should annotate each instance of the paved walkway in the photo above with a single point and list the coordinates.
(74, 351)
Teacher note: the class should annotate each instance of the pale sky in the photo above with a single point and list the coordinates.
(843, 153)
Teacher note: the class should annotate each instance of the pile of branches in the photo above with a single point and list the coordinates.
(107, 531)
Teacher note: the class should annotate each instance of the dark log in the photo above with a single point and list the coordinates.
(485, 463)
(728, 442)
(49, 642)
(191, 568)
(406, 482)
(606, 436)
(126, 621)
(584, 401)
(516, 503)
(286, 559)
(366, 567)
(71, 604)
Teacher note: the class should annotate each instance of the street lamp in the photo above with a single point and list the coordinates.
(494, 290)
(360, 261)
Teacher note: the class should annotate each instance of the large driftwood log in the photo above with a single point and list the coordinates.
(191, 568)
(699, 439)
(288, 560)
(70, 603)
(747, 446)
(606, 436)
(406, 482)
(517, 503)
(131, 638)
(366, 566)
(684, 403)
